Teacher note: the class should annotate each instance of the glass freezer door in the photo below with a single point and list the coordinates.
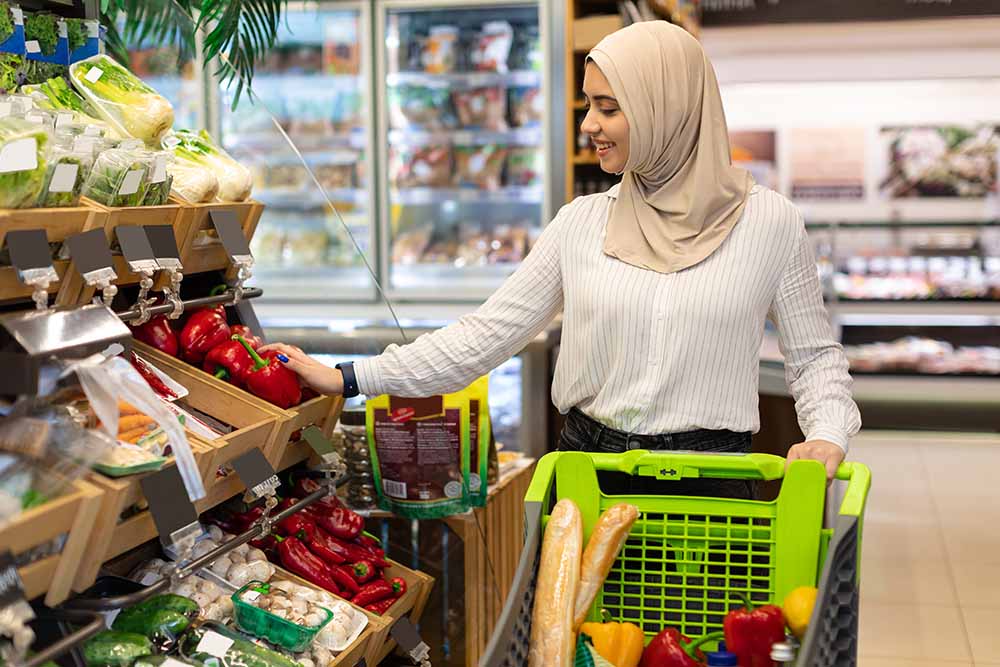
(464, 178)
(315, 83)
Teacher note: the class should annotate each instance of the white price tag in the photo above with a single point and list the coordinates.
(84, 144)
(20, 155)
(64, 117)
(5, 109)
(94, 75)
(214, 644)
(159, 169)
(18, 15)
(32, 46)
(266, 487)
(130, 184)
(35, 118)
(64, 177)
(92, 131)
(251, 596)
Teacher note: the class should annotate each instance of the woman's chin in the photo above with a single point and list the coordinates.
(610, 166)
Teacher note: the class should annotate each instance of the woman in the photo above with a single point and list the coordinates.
(665, 283)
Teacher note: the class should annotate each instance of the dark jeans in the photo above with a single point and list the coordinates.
(583, 434)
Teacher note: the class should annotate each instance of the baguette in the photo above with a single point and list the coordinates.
(605, 543)
(553, 641)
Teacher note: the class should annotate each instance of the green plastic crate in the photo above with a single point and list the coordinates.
(687, 558)
(265, 625)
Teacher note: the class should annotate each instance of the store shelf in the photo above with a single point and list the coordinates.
(933, 309)
(869, 224)
(525, 136)
(429, 196)
(305, 84)
(310, 198)
(267, 141)
(465, 79)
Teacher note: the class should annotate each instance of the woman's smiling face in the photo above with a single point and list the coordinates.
(605, 122)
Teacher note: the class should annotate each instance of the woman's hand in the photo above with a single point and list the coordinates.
(320, 377)
(824, 451)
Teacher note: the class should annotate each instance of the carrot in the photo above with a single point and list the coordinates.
(125, 408)
(132, 422)
(134, 435)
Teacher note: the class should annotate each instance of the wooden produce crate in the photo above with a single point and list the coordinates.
(411, 604)
(111, 537)
(137, 216)
(58, 223)
(71, 514)
(237, 407)
(202, 250)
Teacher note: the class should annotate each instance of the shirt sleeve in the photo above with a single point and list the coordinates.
(816, 368)
(451, 358)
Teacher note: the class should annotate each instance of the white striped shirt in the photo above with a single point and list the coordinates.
(647, 352)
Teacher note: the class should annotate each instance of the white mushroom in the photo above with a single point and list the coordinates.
(227, 605)
(211, 589)
(255, 555)
(202, 600)
(186, 589)
(213, 612)
(221, 566)
(299, 607)
(313, 620)
(237, 557)
(280, 613)
(239, 575)
(260, 570)
(306, 662)
(202, 548)
(321, 656)
(284, 585)
(242, 550)
(215, 533)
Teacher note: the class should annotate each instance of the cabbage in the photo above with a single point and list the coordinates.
(20, 189)
(193, 182)
(123, 99)
(197, 148)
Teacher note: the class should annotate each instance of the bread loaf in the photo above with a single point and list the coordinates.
(553, 640)
(606, 541)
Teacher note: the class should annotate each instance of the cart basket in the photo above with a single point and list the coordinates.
(687, 558)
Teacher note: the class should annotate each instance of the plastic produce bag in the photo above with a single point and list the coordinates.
(162, 619)
(192, 182)
(117, 178)
(157, 185)
(112, 648)
(198, 148)
(56, 95)
(66, 173)
(23, 163)
(214, 645)
(122, 99)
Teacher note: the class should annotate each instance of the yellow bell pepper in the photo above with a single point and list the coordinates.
(620, 644)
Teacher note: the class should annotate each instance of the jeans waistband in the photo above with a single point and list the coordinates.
(605, 438)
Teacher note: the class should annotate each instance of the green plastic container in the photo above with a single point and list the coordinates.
(687, 558)
(265, 625)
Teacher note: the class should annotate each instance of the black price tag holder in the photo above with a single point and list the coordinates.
(173, 513)
(31, 257)
(332, 463)
(168, 257)
(140, 259)
(409, 640)
(92, 259)
(227, 226)
(256, 474)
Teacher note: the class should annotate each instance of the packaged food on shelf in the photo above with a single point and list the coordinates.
(336, 170)
(420, 107)
(11, 71)
(361, 487)
(510, 244)
(481, 108)
(122, 99)
(923, 355)
(283, 176)
(525, 167)
(117, 178)
(198, 148)
(440, 50)
(527, 107)
(427, 166)
(66, 173)
(268, 246)
(23, 162)
(158, 182)
(234, 648)
(492, 47)
(43, 32)
(408, 246)
(479, 166)
(56, 95)
(306, 243)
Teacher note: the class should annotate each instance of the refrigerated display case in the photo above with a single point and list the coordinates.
(464, 182)
(314, 88)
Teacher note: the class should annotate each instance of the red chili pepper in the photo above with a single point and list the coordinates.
(296, 557)
(364, 571)
(151, 378)
(398, 586)
(672, 649)
(204, 330)
(381, 607)
(342, 523)
(372, 592)
(344, 577)
(269, 379)
(319, 547)
(244, 330)
(354, 552)
(750, 632)
(245, 520)
(228, 361)
(158, 334)
(297, 525)
(368, 541)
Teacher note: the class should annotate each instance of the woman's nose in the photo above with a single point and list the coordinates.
(589, 125)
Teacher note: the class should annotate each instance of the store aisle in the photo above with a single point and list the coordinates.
(930, 589)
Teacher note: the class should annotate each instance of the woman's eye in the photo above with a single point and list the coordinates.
(609, 112)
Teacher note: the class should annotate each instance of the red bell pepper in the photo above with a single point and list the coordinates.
(244, 521)
(158, 334)
(672, 649)
(368, 541)
(382, 606)
(296, 557)
(319, 547)
(269, 545)
(342, 523)
(750, 632)
(269, 379)
(344, 577)
(228, 361)
(204, 330)
(374, 591)
(364, 571)
(354, 552)
(297, 525)
(244, 330)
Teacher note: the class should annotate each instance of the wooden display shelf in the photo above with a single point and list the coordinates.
(411, 604)
(136, 216)
(201, 250)
(71, 514)
(58, 223)
(225, 402)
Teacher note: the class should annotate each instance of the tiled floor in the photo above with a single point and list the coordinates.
(930, 573)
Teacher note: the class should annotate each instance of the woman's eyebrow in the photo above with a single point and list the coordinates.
(601, 98)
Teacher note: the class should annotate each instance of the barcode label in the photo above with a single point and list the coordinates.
(394, 489)
(266, 487)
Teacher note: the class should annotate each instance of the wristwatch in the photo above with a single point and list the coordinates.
(350, 379)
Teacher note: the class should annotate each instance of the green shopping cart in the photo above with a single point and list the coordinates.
(687, 558)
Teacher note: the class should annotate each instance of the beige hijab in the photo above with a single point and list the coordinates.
(680, 195)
